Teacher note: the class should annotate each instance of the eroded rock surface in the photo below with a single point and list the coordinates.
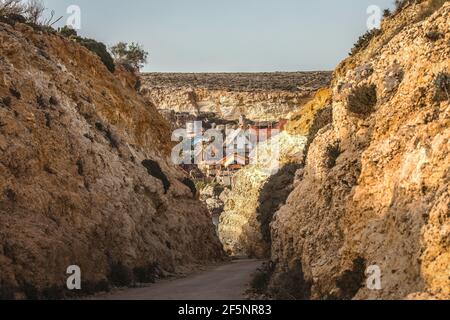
(85, 176)
(260, 97)
(259, 191)
(375, 187)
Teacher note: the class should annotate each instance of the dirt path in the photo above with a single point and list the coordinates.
(227, 282)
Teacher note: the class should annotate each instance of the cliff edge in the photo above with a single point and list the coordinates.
(374, 192)
(86, 177)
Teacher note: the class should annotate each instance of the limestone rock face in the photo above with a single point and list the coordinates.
(85, 174)
(260, 97)
(258, 192)
(213, 196)
(375, 188)
(302, 122)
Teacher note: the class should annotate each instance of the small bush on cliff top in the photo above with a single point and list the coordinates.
(364, 41)
(34, 11)
(132, 56)
(11, 7)
(431, 7)
(401, 4)
(31, 13)
(99, 49)
(96, 47)
(68, 32)
(362, 100)
(12, 10)
(434, 35)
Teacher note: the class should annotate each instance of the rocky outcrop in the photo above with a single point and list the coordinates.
(375, 188)
(257, 193)
(302, 122)
(85, 174)
(214, 197)
(260, 97)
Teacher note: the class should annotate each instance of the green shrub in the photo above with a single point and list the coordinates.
(364, 41)
(12, 19)
(131, 56)
(99, 49)
(96, 47)
(442, 87)
(400, 5)
(200, 185)
(434, 35)
(362, 100)
(11, 7)
(68, 32)
(431, 7)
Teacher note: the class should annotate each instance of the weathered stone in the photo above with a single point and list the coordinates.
(385, 201)
(260, 97)
(68, 194)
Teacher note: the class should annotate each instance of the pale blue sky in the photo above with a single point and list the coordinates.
(231, 35)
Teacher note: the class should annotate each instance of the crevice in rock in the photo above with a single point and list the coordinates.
(154, 169)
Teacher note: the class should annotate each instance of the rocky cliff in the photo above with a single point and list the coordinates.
(257, 193)
(260, 97)
(244, 227)
(85, 174)
(374, 191)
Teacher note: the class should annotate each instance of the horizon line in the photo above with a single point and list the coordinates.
(233, 72)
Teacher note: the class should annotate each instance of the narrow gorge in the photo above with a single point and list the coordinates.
(364, 177)
(349, 175)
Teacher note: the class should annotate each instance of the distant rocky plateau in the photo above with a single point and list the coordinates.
(227, 96)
